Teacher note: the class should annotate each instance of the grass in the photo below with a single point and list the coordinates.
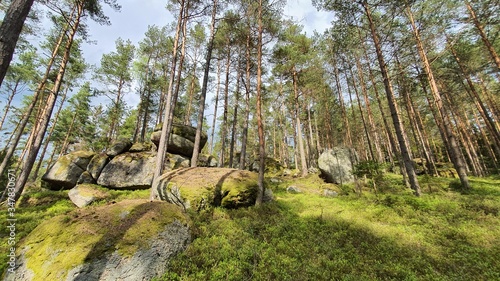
(442, 235)
(363, 234)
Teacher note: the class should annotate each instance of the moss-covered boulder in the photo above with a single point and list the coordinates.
(84, 194)
(95, 166)
(206, 160)
(66, 171)
(118, 147)
(141, 146)
(201, 187)
(129, 171)
(130, 240)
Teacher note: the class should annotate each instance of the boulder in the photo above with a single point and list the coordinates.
(205, 160)
(84, 194)
(66, 171)
(141, 147)
(177, 161)
(181, 139)
(96, 165)
(86, 177)
(129, 240)
(200, 187)
(336, 165)
(330, 193)
(119, 147)
(293, 189)
(129, 171)
(272, 165)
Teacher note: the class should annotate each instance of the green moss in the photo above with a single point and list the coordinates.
(63, 242)
(239, 191)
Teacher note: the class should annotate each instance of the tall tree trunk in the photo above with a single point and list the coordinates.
(36, 97)
(260, 122)
(454, 150)
(235, 116)
(398, 125)
(167, 124)
(34, 175)
(180, 67)
(40, 129)
(361, 112)
(482, 34)
(223, 137)
(345, 119)
(373, 130)
(392, 148)
(10, 29)
(485, 112)
(244, 133)
(201, 109)
(216, 106)
(300, 140)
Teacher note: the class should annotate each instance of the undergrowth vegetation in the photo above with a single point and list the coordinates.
(442, 235)
(362, 234)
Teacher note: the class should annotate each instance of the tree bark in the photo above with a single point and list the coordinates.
(10, 29)
(167, 124)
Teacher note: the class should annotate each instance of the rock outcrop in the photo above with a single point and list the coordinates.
(181, 139)
(336, 165)
(84, 194)
(129, 171)
(129, 240)
(200, 187)
(64, 174)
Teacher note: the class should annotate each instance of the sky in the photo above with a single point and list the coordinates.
(135, 16)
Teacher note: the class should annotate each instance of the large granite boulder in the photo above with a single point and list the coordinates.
(181, 140)
(66, 171)
(336, 165)
(84, 194)
(119, 147)
(129, 240)
(129, 171)
(98, 162)
(200, 187)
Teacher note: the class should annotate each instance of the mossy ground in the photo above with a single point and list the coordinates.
(361, 235)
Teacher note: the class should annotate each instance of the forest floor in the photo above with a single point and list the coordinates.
(385, 235)
(362, 234)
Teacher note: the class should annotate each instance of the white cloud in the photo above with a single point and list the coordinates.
(307, 15)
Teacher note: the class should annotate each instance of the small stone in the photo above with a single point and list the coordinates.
(293, 189)
(330, 193)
